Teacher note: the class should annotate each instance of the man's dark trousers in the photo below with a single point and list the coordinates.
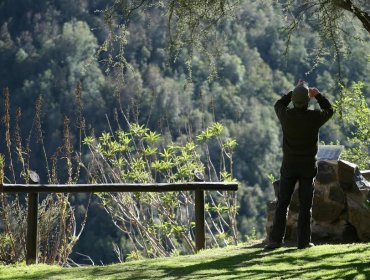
(291, 172)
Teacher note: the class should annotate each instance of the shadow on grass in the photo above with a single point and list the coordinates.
(270, 264)
(249, 263)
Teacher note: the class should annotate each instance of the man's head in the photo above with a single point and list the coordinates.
(300, 97)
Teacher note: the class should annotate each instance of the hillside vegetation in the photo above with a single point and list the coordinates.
(62, 87)
(245, 261)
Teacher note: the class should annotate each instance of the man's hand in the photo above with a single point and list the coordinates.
(312, 91)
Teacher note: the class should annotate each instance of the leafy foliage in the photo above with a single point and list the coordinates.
(334, 22)
(191, 25)
(355, 113)
(160, 224)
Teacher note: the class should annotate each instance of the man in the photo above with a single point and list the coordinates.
(300, 127)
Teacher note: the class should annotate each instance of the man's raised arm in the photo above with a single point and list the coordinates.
(282, 104)
(326, 111)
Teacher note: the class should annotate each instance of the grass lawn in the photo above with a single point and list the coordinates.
(245, 261)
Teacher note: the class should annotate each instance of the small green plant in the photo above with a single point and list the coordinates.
(271, 178)
(134, 256)
(5, 245)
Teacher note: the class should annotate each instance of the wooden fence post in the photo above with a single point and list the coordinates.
(199, 220)
(31, 241)
(199, 187)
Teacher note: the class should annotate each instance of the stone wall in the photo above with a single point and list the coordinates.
(341, 208)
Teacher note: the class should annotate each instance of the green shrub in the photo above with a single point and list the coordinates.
(160, 224)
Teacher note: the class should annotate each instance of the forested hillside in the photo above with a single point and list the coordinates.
(48, 50)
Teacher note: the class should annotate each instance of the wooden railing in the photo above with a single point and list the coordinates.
(34, 189)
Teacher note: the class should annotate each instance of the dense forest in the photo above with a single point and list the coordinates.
(58, 74)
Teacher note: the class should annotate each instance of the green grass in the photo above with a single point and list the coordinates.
(245, 261)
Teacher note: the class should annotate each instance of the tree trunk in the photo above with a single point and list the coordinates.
(363, 16)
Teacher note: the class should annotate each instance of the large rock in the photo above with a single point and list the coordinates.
(340, 211)
(359, 216)
(366, 174)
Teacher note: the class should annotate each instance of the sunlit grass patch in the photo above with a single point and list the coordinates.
(245, 261)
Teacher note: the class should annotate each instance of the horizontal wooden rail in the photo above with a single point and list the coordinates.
(155, 187)
(34, 189)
